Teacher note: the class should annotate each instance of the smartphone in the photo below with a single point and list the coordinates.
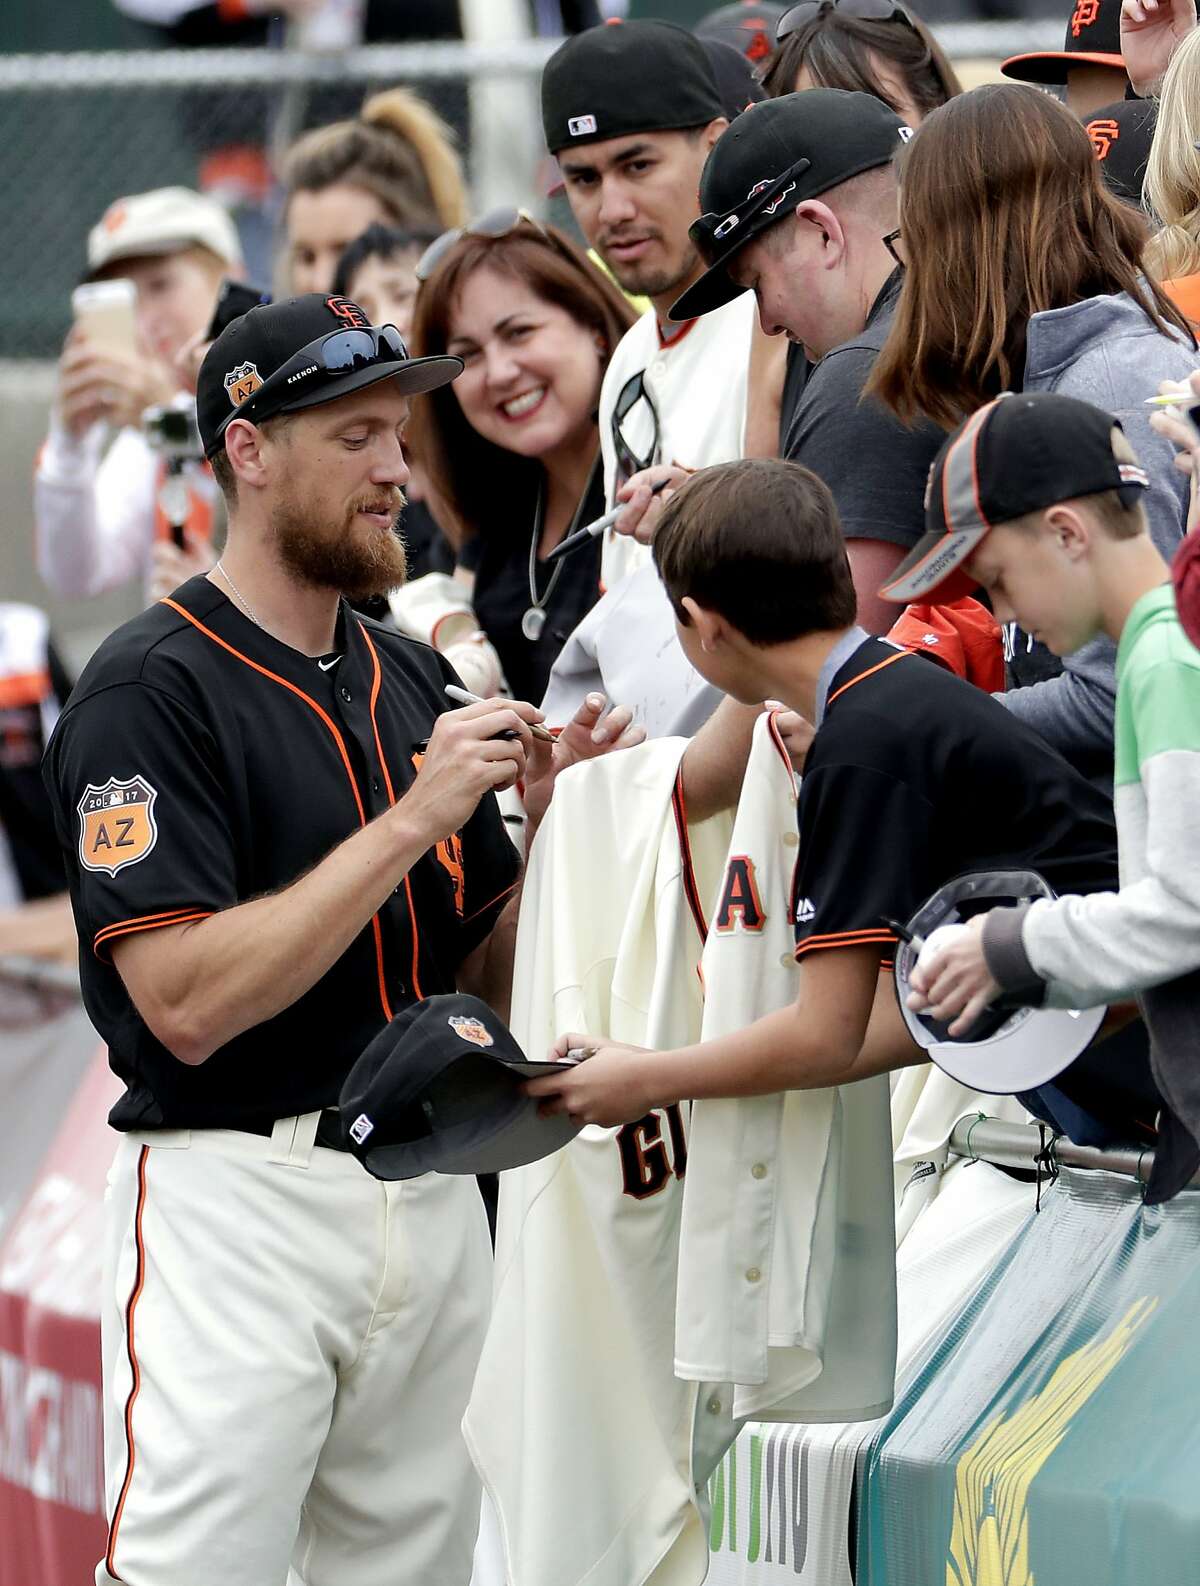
(106, 312)
(234, 299)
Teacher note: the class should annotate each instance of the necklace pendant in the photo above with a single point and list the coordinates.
(532, 623)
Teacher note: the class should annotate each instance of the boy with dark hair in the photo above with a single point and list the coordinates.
(1053, 529)
(913, 777)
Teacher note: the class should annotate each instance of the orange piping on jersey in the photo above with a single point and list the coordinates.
(341, 747)
(690, 889)
(508, 891)
(900, 655)
(376, 682)
(151, 923)
(777, 740)
(139, 1280)
(845, 939)
(665, 343)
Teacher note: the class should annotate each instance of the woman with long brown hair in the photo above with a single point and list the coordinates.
(512, 447)
(1022, 273)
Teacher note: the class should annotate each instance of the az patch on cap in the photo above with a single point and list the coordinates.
(473, 1030)
(116, 824)
(581, 126)
(242, 383)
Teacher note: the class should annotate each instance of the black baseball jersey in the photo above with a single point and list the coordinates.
(201, 763)
(915, 777)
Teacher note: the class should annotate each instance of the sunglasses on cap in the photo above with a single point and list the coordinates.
(340, 353)
(763, 199)
(866, 10)
(495, 224)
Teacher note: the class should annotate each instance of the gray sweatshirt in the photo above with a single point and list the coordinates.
(1104, 351)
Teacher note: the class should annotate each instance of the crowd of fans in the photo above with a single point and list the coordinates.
(860, 364)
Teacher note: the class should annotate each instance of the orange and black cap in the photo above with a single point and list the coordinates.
(1019, 454)
(1093, 38)
(748, 25)
(304, 351)
(1121, 136)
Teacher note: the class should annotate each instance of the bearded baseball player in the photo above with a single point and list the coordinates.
(278, 835)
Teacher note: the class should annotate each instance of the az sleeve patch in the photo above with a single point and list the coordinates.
(116, 824)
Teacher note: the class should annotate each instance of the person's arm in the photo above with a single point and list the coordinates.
(1151, 32)
(200, 984)
(1073, 711)
(818, 1041)
(764, 393)
(93, 516)
(872, 563)
(714, 763)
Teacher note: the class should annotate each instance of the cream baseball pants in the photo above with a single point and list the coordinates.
(289, 1346)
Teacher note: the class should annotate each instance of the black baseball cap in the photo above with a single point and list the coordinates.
(773, 157)
(283, 357)
(625, 77)
(1018, 454)
(748, 25)
(1121, 136)
(735, 78)
(1093, 39)
(439, 1090)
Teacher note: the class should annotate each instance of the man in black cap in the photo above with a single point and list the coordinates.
(631, 110)
(799, 207)
(1121, 135)
(278, 835)
(1090, 67)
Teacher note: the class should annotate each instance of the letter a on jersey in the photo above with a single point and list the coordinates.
(740, 904)
(116, 824)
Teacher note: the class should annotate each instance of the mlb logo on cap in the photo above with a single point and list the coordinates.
(581, 126)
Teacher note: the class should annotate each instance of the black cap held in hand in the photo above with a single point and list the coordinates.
(235, 378)
(439, 1091)
(772, 157)
(1019, 454)
(626, 77)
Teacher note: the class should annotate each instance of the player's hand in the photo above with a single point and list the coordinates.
(608, 1087)
(796, 733)
(957, 981)
(591, 732)
(97, 383)
(170, 566)
(1151, 32)
(642, 510)
(467, 756)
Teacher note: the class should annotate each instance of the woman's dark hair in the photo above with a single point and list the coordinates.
(473, 476)
(1003, 215)
(377, 242)
(844, 51)
(758, 542)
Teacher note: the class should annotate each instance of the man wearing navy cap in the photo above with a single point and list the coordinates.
(278, 836)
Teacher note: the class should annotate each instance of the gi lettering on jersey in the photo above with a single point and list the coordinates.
(116, 824)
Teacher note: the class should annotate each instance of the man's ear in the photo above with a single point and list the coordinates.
(245, 445)
(813, 212)
(1069, 529)
(713, 131)
(709, 627)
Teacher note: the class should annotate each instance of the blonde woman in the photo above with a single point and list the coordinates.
(1172, 190)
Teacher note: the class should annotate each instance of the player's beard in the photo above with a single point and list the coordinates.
(356, 559)
(650, 280)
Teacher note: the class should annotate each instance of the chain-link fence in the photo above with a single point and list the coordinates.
(77, 131)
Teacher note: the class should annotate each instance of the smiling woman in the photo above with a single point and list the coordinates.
(512, 448)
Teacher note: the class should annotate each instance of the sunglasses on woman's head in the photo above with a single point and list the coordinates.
(495, 224)
(866, 10)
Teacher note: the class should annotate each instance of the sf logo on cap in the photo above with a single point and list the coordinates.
(1083, 16)
(1103, 134)
(242, 383)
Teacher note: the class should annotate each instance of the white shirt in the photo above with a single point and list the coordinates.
(94, 510)
(626, 647)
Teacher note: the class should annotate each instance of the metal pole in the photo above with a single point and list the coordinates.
(1019, 1145)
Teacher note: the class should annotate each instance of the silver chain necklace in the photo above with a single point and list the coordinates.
(241, 599)
(534, 619)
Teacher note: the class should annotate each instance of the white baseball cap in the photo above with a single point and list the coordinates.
(163, 221)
